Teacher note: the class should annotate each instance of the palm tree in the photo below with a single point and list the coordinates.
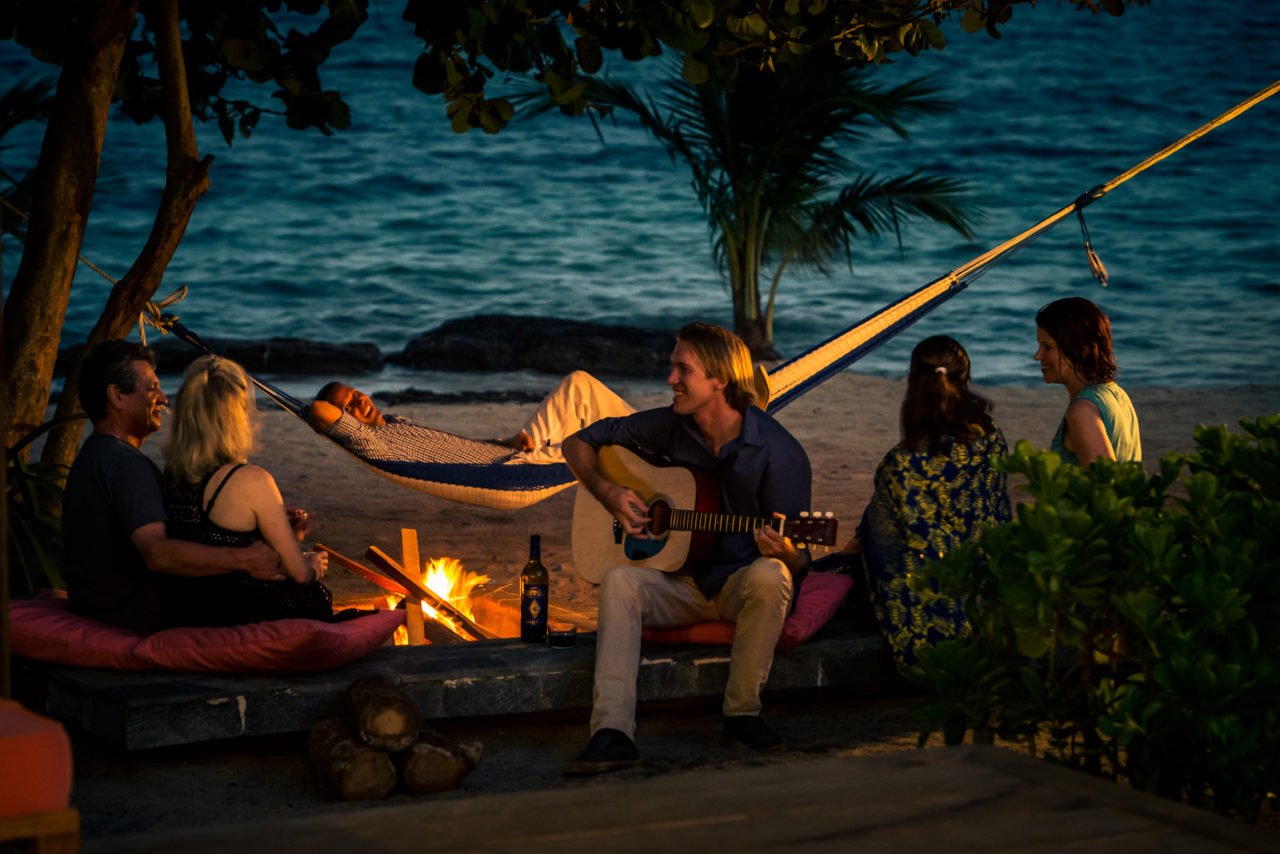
(771, 166)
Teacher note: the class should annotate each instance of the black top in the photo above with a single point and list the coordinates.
(189, 517)
(112, 490)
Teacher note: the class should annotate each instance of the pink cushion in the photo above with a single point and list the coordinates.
(820, 596)
(45, 629)
(278, 646)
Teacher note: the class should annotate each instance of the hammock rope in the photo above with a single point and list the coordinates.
(152, 313)
(511, 487)
(791, 379)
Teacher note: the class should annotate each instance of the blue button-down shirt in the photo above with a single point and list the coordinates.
(761, 472)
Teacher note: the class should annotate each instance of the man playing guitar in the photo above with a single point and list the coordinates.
(762, 470)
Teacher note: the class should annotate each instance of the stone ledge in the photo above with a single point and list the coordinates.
(140, 710)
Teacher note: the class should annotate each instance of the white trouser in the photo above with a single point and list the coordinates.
(579, 399)
(755, 597)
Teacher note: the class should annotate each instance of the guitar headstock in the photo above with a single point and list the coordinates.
(815, 529)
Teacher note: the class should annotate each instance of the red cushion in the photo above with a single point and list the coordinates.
(45, 629)
(820, 596)
(35, 775)
(278, 646)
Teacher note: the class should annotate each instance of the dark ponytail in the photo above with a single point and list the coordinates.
(939, 404)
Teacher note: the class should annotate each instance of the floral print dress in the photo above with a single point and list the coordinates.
(925, 505)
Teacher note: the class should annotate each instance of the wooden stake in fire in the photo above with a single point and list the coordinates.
(412, 605)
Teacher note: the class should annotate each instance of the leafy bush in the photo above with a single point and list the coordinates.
(1132, 621)
(35, 531)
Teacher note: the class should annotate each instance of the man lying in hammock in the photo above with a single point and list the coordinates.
(350, 418)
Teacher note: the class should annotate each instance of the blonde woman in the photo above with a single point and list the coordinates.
(215, 496)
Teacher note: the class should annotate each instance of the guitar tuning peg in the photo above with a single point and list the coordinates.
(830, 515)
(804, 514)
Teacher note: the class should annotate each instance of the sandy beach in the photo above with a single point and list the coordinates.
(846, 426)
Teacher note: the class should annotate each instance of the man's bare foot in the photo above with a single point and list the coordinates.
(521, 441)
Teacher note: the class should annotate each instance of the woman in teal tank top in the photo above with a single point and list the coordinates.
(1073, 338)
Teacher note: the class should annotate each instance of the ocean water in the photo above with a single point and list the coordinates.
(382, 231)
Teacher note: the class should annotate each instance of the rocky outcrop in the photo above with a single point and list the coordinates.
(494, 342)
(499, 342)
(273, 355)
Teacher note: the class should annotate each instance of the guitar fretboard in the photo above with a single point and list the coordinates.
(693, 520)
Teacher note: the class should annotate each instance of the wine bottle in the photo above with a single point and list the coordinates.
(533, 595)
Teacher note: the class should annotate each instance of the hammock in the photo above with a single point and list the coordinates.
(510, 487)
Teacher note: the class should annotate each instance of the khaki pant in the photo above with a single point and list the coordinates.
(755, 597)
(580, 399)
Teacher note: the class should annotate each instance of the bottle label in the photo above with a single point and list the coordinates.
(533, 606)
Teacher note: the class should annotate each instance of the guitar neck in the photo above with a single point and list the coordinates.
(722, 523)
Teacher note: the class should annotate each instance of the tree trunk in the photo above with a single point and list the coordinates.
(755, 333)
(753, 328)
(186, 181)
(65, 176)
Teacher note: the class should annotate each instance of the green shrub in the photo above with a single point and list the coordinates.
(35, 530)
(1130, 620)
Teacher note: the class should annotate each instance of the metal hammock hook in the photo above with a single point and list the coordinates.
(1096, 267)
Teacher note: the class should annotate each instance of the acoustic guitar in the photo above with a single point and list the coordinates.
(684, 505)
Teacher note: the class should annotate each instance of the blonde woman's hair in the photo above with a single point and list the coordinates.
(726, 358)
(213, 419)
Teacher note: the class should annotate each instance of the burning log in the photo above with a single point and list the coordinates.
(381, 714)
(436, 763)
(418, 589)
(354, 770)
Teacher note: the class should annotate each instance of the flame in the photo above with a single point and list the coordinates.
(445, 577)
(401, 636)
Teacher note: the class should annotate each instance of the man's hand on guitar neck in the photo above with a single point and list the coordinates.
(772, 543)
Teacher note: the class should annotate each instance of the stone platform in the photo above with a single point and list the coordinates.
(140, 710)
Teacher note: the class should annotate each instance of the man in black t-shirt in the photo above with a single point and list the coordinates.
(113, 517)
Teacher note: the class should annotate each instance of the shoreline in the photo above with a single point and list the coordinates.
(846, 425)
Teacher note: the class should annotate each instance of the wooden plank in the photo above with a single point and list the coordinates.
(964, 799)
(364, 572)
(51, 832)
(391, 568)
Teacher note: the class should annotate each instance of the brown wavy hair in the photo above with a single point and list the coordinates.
(1082, 332)
(939, 403)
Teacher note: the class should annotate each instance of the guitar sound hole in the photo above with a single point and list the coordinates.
(659, 518)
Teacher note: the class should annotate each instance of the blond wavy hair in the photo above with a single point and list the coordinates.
(213, 420)
(726, 358)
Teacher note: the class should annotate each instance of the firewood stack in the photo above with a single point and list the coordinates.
(378, 741)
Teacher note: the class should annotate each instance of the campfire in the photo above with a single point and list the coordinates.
(448, 579)
(438, 598)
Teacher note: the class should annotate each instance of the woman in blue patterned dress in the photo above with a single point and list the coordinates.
(935, 490)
